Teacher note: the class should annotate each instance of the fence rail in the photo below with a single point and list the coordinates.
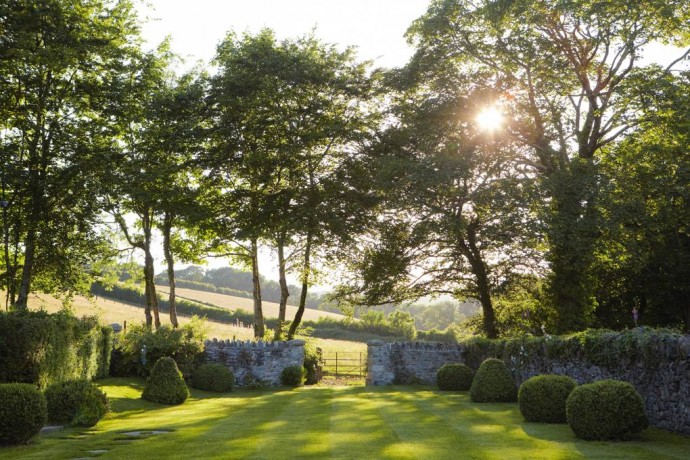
(344, 364)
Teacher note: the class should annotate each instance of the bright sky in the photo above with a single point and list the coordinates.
(375, 27)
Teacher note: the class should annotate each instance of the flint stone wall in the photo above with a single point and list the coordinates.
(664, 383)
(255, 362)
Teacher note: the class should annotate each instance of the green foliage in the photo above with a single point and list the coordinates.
(293, 376)
(213, 377)
(165, 385)
(454, 377)
(58, 57)
(542, 398)
(607, 409)
(43, 348)
(403, 324)
(312, 363)
(23, 412)
(493, 382)
(184, 344)
(77, 402)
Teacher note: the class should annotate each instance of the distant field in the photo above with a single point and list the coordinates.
(116, 312)
(270, 309)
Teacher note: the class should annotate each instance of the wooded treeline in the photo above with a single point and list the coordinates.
(569, 215)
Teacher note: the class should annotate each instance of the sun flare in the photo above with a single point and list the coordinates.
(490, 118)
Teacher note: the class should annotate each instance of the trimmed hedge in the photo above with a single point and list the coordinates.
(23, 412)
(77, 402)
(454, 377)
(493, 382)
(42, 348)
(542, 398)
(213, 377)
(607, 409)
(293, 376)
(165, 385)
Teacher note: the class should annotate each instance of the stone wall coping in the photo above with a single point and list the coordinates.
(251, 344)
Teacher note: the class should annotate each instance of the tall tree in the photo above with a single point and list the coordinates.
(644, 256)
(455, 212)
(557, 69)
(57, 61)
(284, 114)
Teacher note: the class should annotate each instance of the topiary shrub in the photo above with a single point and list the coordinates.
(312, 364)
(165, 385)
(493, 383)
(23, 412)
(78, 402)
(292, 376)
(607, 409)
(542, 398)
(454, 377)
(213, 377)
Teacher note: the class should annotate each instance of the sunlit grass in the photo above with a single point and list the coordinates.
(330, 422)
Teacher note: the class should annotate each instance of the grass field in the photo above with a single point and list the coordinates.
(116, 312)
(329, 422)
(270, 309)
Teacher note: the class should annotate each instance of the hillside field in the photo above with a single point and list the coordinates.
(270, 309)
(117, 312)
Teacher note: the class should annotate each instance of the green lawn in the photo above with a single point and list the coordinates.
(330, 422)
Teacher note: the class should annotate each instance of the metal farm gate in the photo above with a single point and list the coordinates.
(344, 364)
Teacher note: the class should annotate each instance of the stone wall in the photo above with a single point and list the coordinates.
(405, 363)
(255, 363)
(662, 378)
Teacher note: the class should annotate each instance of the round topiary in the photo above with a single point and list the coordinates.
(607, 409)
(78, 402)
(454, 377)
(165, 385)
(23, 412)
(292, 376)
(542, 398)
(493, 383)
(213, 377)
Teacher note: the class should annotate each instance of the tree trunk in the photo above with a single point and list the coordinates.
(149, 274)
(258, 313)
(572, 234)
(472, 253)
(305, 286)
(284, 292)
(167, 250)
(25, 286)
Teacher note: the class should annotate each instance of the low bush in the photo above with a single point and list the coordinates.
(312, 364)
(77, 402)
(166, 385)
(542, 398)
(23, 412)
(292, 376)
(213, 377)
(607, 409)
(493, 383)
(184, 344)
(454, 377)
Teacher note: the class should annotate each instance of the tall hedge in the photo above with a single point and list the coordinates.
(42, 348)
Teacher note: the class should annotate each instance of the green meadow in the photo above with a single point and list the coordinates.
(328, 422)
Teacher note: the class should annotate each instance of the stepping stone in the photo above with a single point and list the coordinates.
(97, 451)
(50, 429)
(132, 433)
